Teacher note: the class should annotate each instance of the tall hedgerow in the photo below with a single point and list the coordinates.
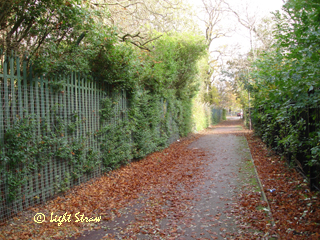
(285, 87)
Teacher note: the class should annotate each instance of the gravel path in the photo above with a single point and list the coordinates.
(208, 213)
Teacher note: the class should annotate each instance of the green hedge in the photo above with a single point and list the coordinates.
(285, 93)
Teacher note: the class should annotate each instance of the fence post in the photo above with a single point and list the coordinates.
(6, 94)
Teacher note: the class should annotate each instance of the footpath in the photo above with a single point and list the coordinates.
(201, 187)
(222, 198)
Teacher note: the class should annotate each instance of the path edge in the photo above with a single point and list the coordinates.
(261, 186)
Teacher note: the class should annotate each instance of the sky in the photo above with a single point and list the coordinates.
(240, 36)
(238, 41)
(267, 5)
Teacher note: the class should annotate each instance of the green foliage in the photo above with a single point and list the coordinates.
(57, 85)
(23, 152)
(107, 110)
(159, 86)
(115, 135)
(62, 185)
(224, 114)
(88, 57)
(202, 117)
(26, 150)
(83, 159)
(212, 96)
(57, 22)
(146, 116)
(171, 68)
(113, 63)
(217, 115)
(116, 144)
(184, 117)
(286, 88)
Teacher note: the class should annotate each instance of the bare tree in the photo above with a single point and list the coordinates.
(245, 19)
(264, 33)
(212, 15)
(260, 30)
(138, 19)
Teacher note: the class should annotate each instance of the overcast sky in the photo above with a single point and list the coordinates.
(259, 8)
(238, 41)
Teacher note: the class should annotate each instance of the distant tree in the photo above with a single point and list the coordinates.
(211, 15)
(247, 20)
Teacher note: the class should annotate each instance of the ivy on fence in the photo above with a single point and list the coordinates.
(59, 129)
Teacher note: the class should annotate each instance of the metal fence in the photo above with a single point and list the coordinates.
(217, 115)
(310, 117)
(73, 104)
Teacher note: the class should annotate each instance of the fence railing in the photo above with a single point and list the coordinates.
(60, 118)
(217, 115)
(311, 115)
(297, 156)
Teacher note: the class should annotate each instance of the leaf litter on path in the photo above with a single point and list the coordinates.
(150, 183)
(296, 210)
(165, 194)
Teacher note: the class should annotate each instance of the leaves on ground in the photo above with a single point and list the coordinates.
(154, 198)
(295, 210)
(153, 181)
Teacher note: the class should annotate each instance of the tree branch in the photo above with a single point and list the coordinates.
(137, 43)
